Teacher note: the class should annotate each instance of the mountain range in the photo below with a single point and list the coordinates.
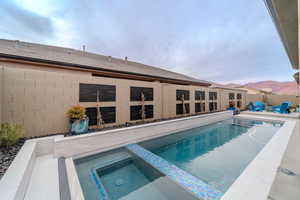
(288, 87)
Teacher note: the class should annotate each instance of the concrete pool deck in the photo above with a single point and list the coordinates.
(294, 115)
(286, 185)
(34, 174)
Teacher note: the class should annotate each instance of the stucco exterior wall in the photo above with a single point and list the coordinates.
(1, 91)
(278, 99)
(253, 97)
(38, 97)
(224, 96)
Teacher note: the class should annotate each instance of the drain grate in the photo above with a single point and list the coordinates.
(287, 171)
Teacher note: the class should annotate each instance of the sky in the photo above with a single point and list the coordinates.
(223, 41)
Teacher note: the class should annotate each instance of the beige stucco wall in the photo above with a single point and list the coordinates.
(224, 96)
(253, 97)
(38, 97)
(1, 92)
(278, 99)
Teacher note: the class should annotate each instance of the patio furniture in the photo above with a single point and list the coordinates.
(257, 106)
(283, 108)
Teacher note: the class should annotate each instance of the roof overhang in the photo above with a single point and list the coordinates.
(296, 77)
(96, 71)
(285, 17)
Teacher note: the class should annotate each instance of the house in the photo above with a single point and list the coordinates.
(40, 83)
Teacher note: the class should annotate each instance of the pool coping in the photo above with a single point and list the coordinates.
(256, 180)
(85, 145)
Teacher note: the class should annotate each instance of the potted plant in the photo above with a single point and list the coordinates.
(78, 119)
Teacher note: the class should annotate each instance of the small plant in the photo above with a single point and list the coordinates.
(76, 112)
(10, 134)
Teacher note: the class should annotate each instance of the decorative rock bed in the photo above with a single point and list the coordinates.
(7, 155)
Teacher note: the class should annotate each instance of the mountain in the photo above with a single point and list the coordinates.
(289, 87)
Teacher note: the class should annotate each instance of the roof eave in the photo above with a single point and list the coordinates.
(72, 66)
(285, 18)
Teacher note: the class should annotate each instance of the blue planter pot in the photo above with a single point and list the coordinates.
(79, 126)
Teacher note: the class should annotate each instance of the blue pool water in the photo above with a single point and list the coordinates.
(217, 153)
(214, 155)
(119, 174)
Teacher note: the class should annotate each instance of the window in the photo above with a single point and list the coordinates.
(136, 93)
(200, 95)
(239, 104)
(136, 112)
(88, 92)
(231, 96)
(108, 115)
(213, 106)
(185, 93)
(213, 95)
(199, 107)
(239, 96)
(179, 108)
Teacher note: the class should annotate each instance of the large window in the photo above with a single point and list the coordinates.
(184, 93)
(199, 107)
(88, 92)
(231, 96)
(213, 95)
(136, 93)
(213, 106)
(239, 104)
(179, 109)
(239, 96)
(200, 95)
(108, 115)
(136, 112)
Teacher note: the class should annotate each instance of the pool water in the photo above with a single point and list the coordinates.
(217, 153)
(120, 175)
(191, 164)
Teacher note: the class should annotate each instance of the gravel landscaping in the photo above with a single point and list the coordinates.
(7, 155)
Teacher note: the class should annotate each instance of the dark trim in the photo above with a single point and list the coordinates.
(98, 69)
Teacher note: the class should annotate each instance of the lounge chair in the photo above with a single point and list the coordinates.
(257, 106)
(283, 108)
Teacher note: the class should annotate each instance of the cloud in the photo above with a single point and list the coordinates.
(223, 41)
(22, 24)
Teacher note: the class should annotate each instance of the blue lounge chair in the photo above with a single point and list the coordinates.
(257, 106)
(283, 108)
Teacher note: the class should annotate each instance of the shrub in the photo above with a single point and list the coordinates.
(10, 134)
(76, 112)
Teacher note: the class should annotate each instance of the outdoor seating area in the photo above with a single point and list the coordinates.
(284, 108)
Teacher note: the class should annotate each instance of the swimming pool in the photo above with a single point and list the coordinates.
(178, 165)
(217, 153)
